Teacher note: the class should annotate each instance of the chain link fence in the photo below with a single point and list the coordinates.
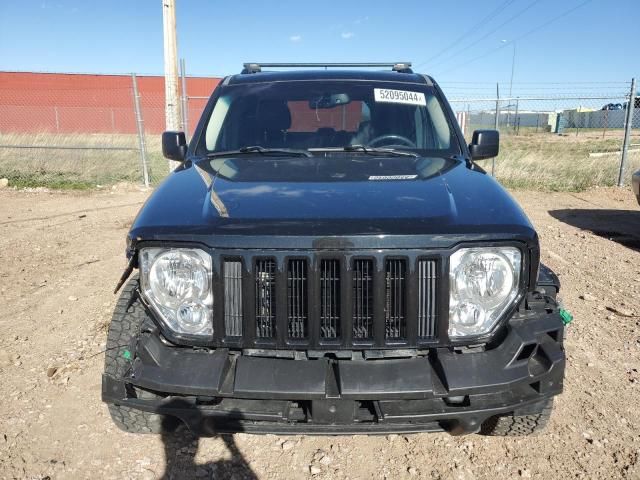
(85, 131)
(101, 130)
(555, 136)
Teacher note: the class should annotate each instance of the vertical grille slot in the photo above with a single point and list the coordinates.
(362, 299)
(394, 307)
(427, 278)
(265, 277)
(297, 298)
(232, 298)
(329, 299)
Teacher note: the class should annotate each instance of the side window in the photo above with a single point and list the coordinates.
(420, 128)
(223, 132)
(216, 120)
(440, 126)
(425, 134)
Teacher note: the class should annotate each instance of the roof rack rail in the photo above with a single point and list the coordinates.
(401, 67)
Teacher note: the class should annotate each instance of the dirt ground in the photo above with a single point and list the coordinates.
(62, 253)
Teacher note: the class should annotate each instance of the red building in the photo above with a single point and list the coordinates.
(70, 103)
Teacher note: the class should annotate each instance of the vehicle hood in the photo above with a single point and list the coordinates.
(193, 205)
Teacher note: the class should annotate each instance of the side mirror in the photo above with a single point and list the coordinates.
(484, 144)
(174, 146)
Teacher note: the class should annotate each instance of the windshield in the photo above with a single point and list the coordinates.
(313, 115)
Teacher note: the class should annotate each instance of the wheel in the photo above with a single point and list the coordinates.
(125, 324)
(518, 425)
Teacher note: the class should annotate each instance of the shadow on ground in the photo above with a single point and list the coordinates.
(621, 226)
(181, 446)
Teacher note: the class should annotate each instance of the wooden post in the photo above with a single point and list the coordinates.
(173, 118)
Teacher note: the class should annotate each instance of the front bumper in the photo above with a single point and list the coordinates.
(217, 390)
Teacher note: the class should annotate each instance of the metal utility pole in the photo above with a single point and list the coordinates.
(513, 64)
(497, 106)
(171, 79)
(627, 132)
(513, 67)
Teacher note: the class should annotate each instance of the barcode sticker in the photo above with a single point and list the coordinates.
(399, 96)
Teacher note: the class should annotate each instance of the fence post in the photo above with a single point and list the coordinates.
(627, 132)
(185, 99)
(493, 160)
(140, 126)
(55, 111)
(468, 132)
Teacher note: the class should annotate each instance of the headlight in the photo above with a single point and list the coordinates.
(483, 283)
(177, 284)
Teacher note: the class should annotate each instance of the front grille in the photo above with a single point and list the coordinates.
(342, 302)
(265, 277)
(329, 298)
(394, 307)
(427, 276)
(362, 299)
(233, 298)
(297, 298)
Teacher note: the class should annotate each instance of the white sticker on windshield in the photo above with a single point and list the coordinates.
(399, 96)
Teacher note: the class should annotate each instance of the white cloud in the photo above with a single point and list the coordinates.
(358, 21)
(347, 35)
(295, 38)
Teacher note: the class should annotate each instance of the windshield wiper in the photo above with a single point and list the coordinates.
(367, 150)
(290, 152)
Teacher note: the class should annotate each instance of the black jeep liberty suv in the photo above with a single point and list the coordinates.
(330, 259)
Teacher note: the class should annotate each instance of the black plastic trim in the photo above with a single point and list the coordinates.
(179, 370)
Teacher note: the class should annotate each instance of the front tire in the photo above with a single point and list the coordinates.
(518, 425)
(125, 324)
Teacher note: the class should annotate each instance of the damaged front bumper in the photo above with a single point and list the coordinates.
(217, 390)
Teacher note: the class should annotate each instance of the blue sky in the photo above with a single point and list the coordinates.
(457, 41)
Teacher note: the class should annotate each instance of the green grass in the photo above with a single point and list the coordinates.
(55, 181)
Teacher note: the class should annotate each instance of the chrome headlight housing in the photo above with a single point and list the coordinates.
(177, 284)
(483, 283)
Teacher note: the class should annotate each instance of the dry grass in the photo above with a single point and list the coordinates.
(561, 163)
(530, 160)
(81, 162)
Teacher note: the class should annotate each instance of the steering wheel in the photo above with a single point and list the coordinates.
(382, 138)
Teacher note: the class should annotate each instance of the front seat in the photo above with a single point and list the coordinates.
(273, 120)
